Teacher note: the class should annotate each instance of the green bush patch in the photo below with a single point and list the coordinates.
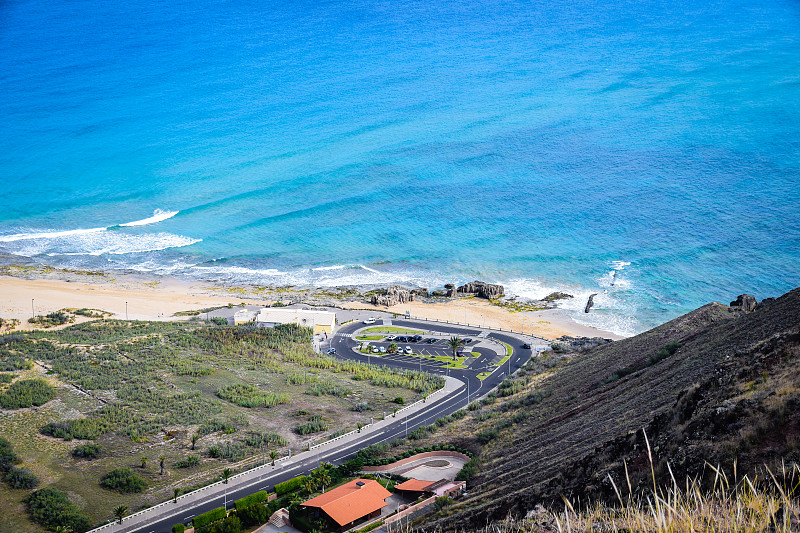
(27, 392)
(245, 395)
(290, 485)
(123, 480)
(87, 451)
(51, 508)
(213, 515)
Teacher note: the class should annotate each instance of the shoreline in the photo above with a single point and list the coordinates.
(33, 289)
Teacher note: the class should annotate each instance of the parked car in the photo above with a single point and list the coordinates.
(467, 340)
(375, 349)
(526, 346)
(400, 339)
(330, 351)
(431, 340)
(409, 351)
(417, 338)
(391, 338)
(370, 320)
(382, 349)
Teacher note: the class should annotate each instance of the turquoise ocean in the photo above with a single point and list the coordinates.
(646, 151)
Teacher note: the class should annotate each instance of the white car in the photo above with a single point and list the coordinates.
(370, 320)
(382, 349)
(391, 338)
(375, 349)
(409, 351)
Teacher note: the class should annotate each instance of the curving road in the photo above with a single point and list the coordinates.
(344, 345)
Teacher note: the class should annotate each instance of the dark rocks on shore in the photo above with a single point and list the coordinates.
(420, 292)
(451, 290)
(440, 293)
(553, 296)
(482, 290)
(745, 303)
(590, 303)
(394, 295)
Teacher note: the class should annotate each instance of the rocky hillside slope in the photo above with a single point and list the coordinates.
(718, 385)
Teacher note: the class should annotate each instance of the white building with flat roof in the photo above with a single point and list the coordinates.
(319, 321)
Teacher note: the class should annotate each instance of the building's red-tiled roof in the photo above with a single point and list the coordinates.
(414, 485)
(347, 503)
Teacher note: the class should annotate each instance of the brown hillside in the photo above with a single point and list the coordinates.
(730, 392)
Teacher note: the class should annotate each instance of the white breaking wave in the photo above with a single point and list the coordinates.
(112, 240)
(334, 267)
(158, 216)
(99, 243)
(612, 310)
(48, 234)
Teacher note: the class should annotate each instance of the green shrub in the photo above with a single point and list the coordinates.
(255, 439)
(7, 455)
(486, 436)
(253, 515)
(123, 480)
(213, 426)
(442, 502)
(188, 462)
(468, 471)
(290, 485)
(219, 321)
(232, 524)
(27, 392)
(6, 378)
(399, 400)
(315, 424)
(247, 501)
(245, 395)
(50, 508)
(233, 451)
(327, 387)
(87, 451)
(21, 478)
(178, 528)
(204, 519)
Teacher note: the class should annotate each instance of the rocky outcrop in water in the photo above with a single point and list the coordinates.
(394, 295)
(590, 303)
(482, 290)
(553, 296)
(451, 289)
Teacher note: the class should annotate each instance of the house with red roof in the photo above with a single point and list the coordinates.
(348, 504)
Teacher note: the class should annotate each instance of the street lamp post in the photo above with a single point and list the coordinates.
(126, 310)
(33, 313)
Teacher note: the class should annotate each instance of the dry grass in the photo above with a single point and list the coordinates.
(730, 505)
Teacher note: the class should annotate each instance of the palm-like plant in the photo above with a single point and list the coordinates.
(161, 463)
(119, 512)
(144, 463)
(195, 437)
(226, 474)
(455, 343)
(175, 493)
(273, 455)
(309, 485)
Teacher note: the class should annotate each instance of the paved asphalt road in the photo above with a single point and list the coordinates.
(439, 408)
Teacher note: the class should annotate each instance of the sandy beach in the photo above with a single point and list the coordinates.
(31, 292)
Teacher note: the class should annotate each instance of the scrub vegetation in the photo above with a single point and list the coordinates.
(144, 408)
